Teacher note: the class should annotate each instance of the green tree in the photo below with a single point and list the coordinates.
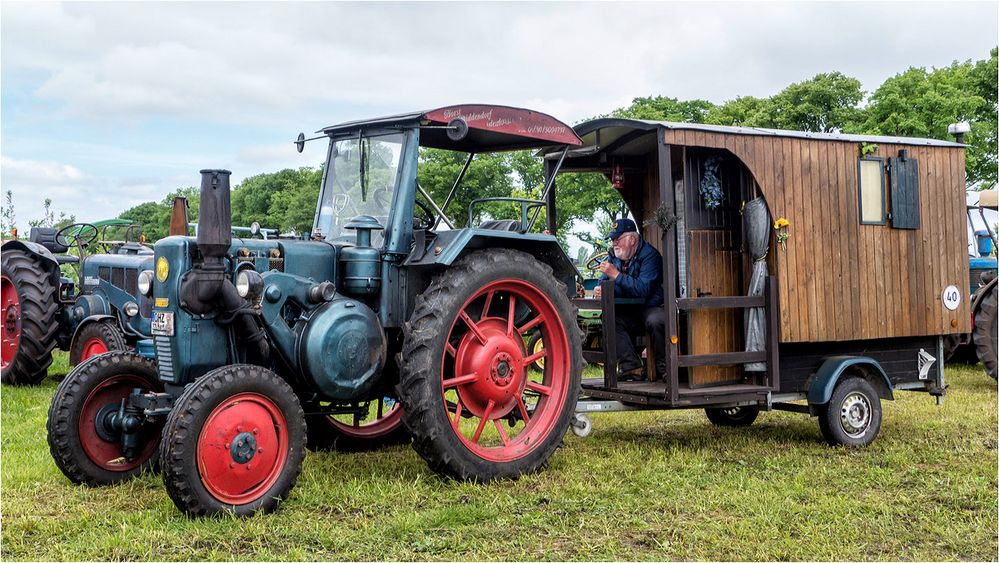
(8, 222)
(824, 103)
(284, 200)
(661, 108)
(489, 175)
(744, 111)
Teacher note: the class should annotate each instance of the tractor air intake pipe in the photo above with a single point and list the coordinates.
(178, 217)
(206, 287)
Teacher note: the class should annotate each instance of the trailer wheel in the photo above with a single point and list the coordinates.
(29, 308)
(475, 410)
(82, 439)
(352, 433)
(96, 338)
(732, 416)
(853, 415)
(234, 442)
(985, 332)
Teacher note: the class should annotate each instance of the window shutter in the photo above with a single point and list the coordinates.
(904, 173)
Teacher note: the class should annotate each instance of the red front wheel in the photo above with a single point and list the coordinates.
(95, 338)
(475, 408)
(233, 442)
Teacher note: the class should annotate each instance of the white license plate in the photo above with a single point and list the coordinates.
(162, 323)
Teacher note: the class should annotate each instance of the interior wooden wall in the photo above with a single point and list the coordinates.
(840, 280)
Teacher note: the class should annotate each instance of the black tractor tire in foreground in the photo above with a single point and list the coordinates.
(30, 305)
(83, 446)
(985, 333)
(96, 338)
(464, 365)
(338, 433)
(853, 415)
(732, 416)
(233, 443)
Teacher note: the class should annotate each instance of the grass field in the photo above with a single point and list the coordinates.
(643, 486)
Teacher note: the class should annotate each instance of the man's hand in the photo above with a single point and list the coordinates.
(596, 292)
(610, 270)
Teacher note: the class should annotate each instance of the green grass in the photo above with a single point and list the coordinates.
(643, 486)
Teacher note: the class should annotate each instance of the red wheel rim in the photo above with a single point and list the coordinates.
(485, 378)
(11, 311)
(384, 422)
(106, 454)
(242, 448)
(93, 347)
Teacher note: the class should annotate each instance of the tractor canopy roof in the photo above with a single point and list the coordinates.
(491, 128)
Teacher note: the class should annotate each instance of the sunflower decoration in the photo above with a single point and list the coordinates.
(781, 227)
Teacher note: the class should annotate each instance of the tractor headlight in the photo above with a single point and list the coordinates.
(131, 309)
(249, 284)
(145, 282)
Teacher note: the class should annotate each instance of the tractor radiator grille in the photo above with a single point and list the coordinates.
(164, 358)
(123, 278)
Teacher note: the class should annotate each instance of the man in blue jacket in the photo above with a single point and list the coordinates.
(637, 270)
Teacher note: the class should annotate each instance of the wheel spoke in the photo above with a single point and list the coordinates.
(484, 420)
(523, 410)
(502, 432)
(457, 415)
(473, 327)
(486, 305)
(450, 349)
(531, 324)
(535, 356)
(509, 319)
(463, 380)
(539, 388)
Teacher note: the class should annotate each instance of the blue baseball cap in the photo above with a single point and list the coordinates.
(622, 226)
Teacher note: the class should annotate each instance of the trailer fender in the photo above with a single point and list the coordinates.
(821, 388)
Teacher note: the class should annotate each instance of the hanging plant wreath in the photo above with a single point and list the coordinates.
(710, 188)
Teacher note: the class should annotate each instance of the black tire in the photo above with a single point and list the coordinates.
(30, 326)
(985, 333)
(105, 332)
(204, 430)
(853, 415)
(732, 416)
(326, 433)
(422, 363)
(100, 383)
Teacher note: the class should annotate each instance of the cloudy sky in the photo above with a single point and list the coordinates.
(106, 105)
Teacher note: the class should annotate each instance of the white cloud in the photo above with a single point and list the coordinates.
(15, 172)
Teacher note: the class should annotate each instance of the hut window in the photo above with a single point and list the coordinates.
(904, 179)
(872, 191)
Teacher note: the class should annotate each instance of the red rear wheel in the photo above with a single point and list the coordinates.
(374, 424)
(93, 347)
(94, 338)
(11, 311)
(501, 410)
(473, 405)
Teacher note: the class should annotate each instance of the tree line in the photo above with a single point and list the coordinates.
(919, 102)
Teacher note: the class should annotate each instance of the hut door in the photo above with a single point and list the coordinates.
(714, 240)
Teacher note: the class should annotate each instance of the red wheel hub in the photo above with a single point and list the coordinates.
(10, 308)
(485, 377)
(102, 448)
(242, 448)
(93, 347)
(385, 421)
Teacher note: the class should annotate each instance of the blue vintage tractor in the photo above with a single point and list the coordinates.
(44, 309)
(390, 320)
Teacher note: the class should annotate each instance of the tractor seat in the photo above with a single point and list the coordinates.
(46, 236)
(501, 225)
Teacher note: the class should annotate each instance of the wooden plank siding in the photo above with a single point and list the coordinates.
(840, 280)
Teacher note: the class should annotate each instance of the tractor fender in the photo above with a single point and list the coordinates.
(44, 254)
(979, 295)
(450, 246)
(91, 320)
(821, 388)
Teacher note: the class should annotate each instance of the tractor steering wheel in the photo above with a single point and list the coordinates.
(428, 214)
(84, 235)
(594, 262)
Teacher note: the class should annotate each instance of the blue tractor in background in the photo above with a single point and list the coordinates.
(391, 322)
(984, 280)
(100, 311)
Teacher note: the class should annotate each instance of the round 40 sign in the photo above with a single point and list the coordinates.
(951, 297)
